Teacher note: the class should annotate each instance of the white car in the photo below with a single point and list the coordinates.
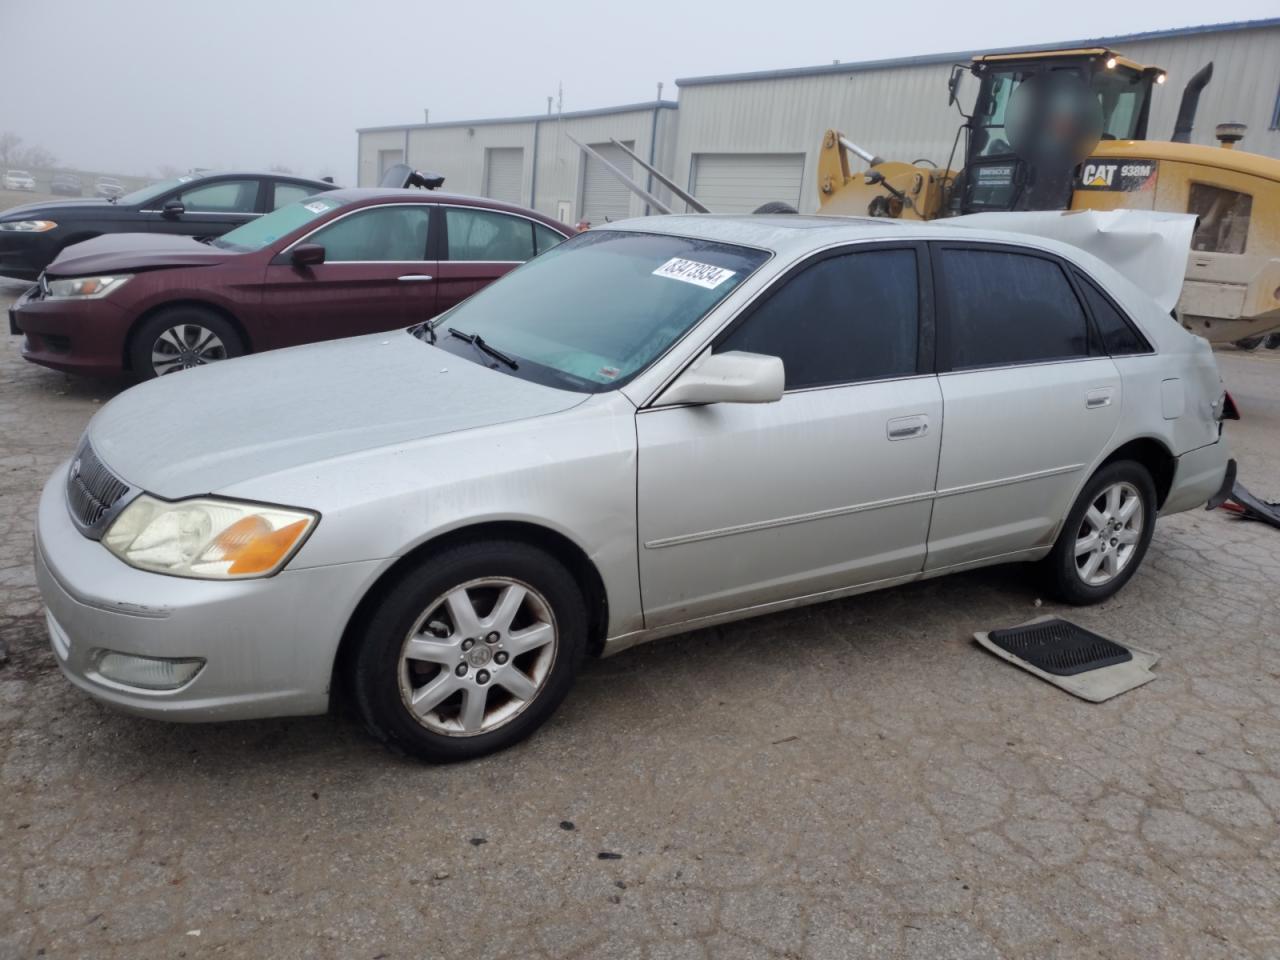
(108, 187)
(18, 180)
(666, 424)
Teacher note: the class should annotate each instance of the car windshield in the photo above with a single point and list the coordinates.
(594, 311)
(269, 228)
(143, 194)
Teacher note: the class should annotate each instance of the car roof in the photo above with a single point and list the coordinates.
(792, 237)
(272, 174)
(416, 194)
(794, 234)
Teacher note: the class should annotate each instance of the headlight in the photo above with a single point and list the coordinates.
(89, 288)
(208, 539)
(27, 226)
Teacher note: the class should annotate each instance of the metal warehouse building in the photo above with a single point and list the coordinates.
(736, 141)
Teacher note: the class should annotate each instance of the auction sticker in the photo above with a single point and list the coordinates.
(691, 271)
(317, 206)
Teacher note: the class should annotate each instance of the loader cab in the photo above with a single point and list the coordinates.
(1027, 162)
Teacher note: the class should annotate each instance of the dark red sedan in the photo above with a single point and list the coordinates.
(337, 264)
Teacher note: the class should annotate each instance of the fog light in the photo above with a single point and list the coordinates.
(148, 673)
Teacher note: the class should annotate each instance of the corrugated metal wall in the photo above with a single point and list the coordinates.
(458, 151)
(902, 112)
(1246, 78)
(898, 112)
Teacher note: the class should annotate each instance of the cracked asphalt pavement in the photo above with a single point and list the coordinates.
(856, 779)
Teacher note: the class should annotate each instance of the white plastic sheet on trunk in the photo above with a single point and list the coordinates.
(1148, 247)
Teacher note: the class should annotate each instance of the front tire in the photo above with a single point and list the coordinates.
(1105, 535)
(470, 651)
(181, 338)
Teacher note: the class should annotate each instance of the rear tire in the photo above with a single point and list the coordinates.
(1105, 536)
(470, 651)
(181, 338)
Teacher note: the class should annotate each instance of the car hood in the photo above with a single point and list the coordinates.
(202, 431)
(122, 252)
(52, 208)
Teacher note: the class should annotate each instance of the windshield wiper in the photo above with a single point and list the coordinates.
(478, 342)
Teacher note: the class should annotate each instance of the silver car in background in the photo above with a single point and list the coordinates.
(670, 423)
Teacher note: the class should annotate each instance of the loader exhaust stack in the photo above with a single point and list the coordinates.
(1190, 103)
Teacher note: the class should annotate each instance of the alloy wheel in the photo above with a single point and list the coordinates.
(1109, 534)
(478, 656)
(184, 346)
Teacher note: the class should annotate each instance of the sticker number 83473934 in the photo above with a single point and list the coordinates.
(691, 271)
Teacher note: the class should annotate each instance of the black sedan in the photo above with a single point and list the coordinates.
(200, 205)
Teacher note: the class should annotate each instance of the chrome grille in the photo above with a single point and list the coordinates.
(92, 490)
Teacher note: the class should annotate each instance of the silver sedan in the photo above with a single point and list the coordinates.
(667, 424)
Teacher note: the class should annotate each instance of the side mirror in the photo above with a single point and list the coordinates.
(307, 255)
(174, 209)
(732, 377)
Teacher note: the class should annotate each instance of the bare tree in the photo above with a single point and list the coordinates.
(34, 158)
(9, 145)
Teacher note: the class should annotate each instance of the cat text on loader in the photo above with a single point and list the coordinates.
(1067, 130)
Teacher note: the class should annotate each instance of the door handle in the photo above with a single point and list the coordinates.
(410, 277)
(1098, 398)
(904, 428)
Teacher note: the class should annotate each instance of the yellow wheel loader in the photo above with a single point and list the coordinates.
(1067, 130)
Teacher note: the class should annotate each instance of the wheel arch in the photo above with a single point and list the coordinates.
(1153, 454)
(157, 308)
(534, 534)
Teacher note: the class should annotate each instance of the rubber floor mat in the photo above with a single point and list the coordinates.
(1059, 647)
(1079, 661)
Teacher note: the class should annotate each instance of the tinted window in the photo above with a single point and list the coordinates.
(1118, 335)
(290, 193)
(846, 318)
(545, 237)
(1007, 308)
(487, 235)
(229, 196)
(1224, 218)
(392, 233)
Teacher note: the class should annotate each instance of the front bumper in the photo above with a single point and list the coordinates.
(23, 256)
(77, 336)
(269, 644)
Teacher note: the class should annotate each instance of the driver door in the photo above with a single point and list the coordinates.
(209, 209)
(376, 276)
(829, 488)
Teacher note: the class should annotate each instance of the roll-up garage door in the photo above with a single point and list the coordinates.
(504, 171)
(604, 197)
(740, 182)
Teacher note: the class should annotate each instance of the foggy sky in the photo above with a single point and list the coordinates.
(129, 86)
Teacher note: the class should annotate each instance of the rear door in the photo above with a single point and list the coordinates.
(376, 276)
(210, 209)
(478, 245)
(1029, 402)
(829, 488)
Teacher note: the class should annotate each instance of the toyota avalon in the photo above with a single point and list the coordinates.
(654, 427)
